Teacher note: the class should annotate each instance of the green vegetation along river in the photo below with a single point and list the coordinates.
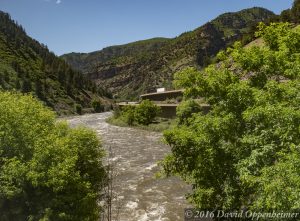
(141, 196)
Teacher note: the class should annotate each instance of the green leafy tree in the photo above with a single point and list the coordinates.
(186, 109)
(47, 170)
(295, 11)
(143, 114)
(18, 84)
(97, 105)
(39, 90)
(245, 152)
(285, 15)
(128, 114)
(26, 86)
(146, 112)
(78, 108)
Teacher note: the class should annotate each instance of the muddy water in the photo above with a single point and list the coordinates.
(141, 196)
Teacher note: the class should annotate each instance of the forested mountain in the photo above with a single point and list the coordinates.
(140, 67)
(290, 15)
(84, 61)
(28, 66)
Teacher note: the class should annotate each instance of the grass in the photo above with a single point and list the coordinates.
(159, 125)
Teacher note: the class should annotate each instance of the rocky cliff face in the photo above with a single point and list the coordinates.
(143, 66)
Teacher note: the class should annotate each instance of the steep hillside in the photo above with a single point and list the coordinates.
(84, 61)
(290, 15)
(28, 66)
(143, 67)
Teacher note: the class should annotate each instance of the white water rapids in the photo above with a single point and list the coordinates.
(141, 196)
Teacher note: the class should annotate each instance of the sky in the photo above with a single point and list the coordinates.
(88, 25)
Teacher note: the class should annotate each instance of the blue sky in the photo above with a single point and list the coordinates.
(89, 25)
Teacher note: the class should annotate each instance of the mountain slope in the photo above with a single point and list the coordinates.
(142, 69)
(28, 66)
(83, 61)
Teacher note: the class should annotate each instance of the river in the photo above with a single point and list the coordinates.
(141, 196)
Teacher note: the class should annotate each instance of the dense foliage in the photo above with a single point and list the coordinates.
(97, 105)
(127, 114)
(28, 66)
(146, 112)
(246, 151)
(47, 170)
(139, 67)
(142, 114)
(291, 15)
(186, 109)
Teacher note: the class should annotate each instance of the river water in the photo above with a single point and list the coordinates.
(135, 153)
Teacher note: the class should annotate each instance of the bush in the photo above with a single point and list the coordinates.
(186, 109)
(146, 112)
(143, 114)
(78, 109)
(47, 171)
(128, 114)
(116, 111)
(97, 105)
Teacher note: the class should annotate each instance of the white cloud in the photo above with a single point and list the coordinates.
(56, 1)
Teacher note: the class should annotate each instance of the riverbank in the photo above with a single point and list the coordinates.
(159, 125)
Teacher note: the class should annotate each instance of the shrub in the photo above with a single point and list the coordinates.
(47, 171)
(143, 114)
(97, 105)
(128, 114)
(146, 112)
(116, 111)
(78, 108)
